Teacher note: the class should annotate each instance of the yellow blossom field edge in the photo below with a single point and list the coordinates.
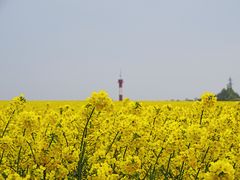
(102, 139)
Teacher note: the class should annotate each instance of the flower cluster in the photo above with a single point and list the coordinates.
(102, 139)
(208, 99)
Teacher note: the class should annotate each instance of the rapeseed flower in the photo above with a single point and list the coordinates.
(128, 140)
(208, 99)
(221, 170)
(101, 101)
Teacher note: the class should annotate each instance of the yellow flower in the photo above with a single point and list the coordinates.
(127, 140)
(131, 166)
(6, 142)
(221, 169)
(101, 101)
(208, 99)
(14, 176)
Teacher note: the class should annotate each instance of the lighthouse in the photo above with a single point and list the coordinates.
(120, 86)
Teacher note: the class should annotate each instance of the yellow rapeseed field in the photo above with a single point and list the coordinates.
(102, 139)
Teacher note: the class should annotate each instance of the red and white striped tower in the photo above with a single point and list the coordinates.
(120, 85)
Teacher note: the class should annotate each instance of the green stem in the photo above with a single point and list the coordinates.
(34, 158)
(52, 139)
(83, 145)
(181, 171)
(158, 156)
(46, 129)
(110, 146)
(147, 171)
(125, 151)
(19, 157)
(168, 166)
(201, 117)
(2, 156)
(154, 166)
(19, 152)
(204, 157)
(5, 129)
(64, 135)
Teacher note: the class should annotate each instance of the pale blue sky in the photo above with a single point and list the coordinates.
(167, 49)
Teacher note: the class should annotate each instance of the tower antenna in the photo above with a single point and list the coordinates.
(229, 85)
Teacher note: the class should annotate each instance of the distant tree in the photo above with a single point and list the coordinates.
(228, 94)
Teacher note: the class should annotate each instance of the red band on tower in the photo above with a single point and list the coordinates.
(120, 85)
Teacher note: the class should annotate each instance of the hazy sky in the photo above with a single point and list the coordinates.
(167, 49)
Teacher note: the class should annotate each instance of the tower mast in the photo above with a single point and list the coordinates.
(229, 85)
(120, 86)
